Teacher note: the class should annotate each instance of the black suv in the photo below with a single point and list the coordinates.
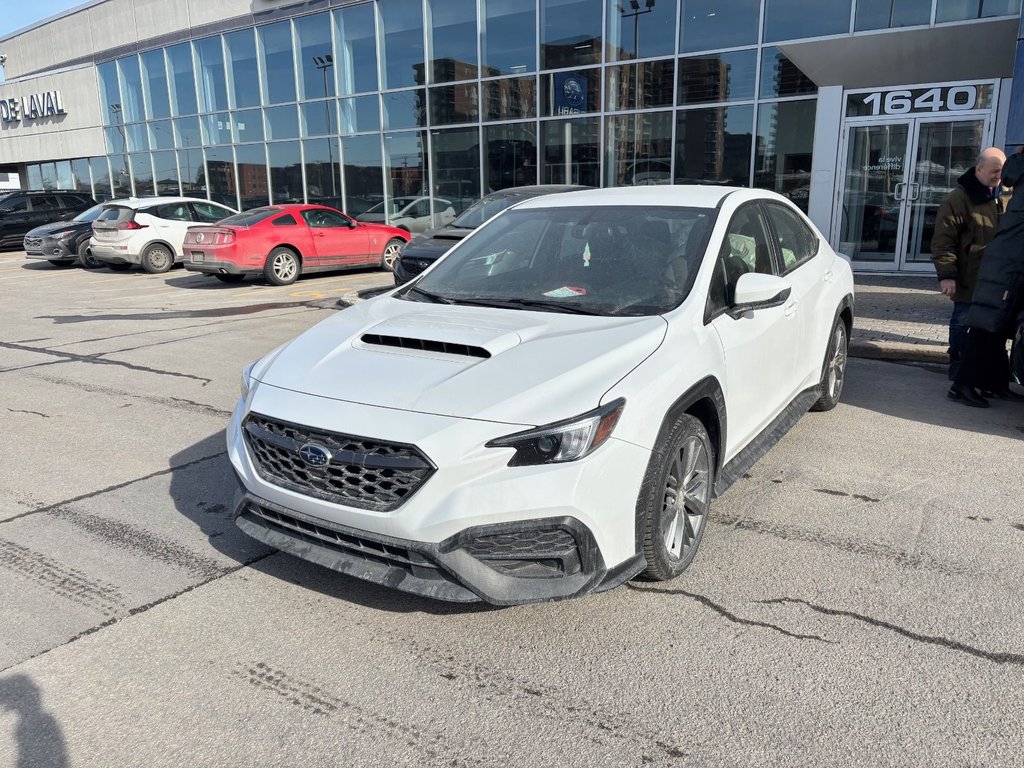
(21, 211)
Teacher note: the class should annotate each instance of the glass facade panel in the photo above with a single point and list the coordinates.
(193, 172)
(571, 152)
(454, 104)
(101, 190)
(403, 55)
(252, 176)
(360, 113)
(640, 86)
(510, 155)
(641, 32)
(356, 39)
(319, 118)
(242, 71)
(131, 89)
(35, 176)
(323, 171)
(282, 122)
(638, 149)
(247, 125)
(456, 163)
(570, 93)
(142, 174)
(961, 10)
(316, 56)
(797, 19)
(364, 173)
(165, 173)
(405, 109)
(718, 77)
(186, 132)
(183, 80)
(710, 24)
(213, 88)
(453, 40)
(138, 137)
(80, 176)
(785, 141)
(883, 14)
(119, 176)
(713, 145)
(781, 77)
(161, 134)
(278, 64)
(510, 99)
(570, 33)
(220, 174)
(63, 172)
(285, 172)
(154, 84)
(110, 93)
(116, 140)
(509, 37)
(49, 175)
(407, 164)
(216, 129)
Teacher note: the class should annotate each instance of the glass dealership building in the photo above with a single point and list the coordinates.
(863, 112)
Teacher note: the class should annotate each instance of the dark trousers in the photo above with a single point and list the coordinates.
(957, 336)
(984, 364)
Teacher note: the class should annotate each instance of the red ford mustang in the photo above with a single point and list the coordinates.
(283, 241)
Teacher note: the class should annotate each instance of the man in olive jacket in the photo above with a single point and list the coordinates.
(966, 221)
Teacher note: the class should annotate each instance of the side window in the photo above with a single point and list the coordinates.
(208, 213)
(173, 212)
(284, 221)
(321, 219)
(18, 204)
(422, 208)
(797, 243)
(746, 248)
(45, 203)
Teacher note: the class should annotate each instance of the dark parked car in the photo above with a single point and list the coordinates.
(423, 250)
(64, 243)
(21, 211)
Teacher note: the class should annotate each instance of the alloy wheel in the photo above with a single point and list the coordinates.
(391, 254)
(837, 363)
(284, 266)
(687, 493)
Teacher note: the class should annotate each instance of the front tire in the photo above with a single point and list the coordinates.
(834, 369)
(675, 498)
(85, 259)
(157, 259)
(391, 253)
(283, 267)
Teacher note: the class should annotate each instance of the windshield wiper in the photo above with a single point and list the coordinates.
(436, 298)
(547, 306)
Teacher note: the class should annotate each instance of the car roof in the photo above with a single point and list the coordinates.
(534, 190)
(660, 195)
(145, 202)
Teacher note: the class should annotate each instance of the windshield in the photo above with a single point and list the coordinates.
(90, 215)
(485, 209)
(601, 260)
(248, 218)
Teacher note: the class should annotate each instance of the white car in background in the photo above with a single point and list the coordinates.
(410, 213)
(549, 409)
(149, 231)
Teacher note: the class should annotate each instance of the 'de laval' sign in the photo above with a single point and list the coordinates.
(32, 107)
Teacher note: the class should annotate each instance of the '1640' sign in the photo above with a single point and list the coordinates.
(32, 107)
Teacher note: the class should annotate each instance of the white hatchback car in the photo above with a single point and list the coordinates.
(149, 230)
(551, 407)
(410, 213)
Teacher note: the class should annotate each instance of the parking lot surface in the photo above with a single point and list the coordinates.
(857, 598)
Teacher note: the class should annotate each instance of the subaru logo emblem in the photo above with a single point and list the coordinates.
(315, 455)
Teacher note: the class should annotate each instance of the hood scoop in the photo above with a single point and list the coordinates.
(425, 345)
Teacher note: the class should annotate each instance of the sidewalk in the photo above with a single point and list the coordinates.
(900, 318)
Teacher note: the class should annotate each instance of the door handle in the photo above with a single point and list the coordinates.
(915, 190)
(790, 308)
(897, 191)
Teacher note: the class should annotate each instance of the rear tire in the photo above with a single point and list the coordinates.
(283, 267)
(833, 372)
(157, 259)
(675, 498)
(230, 278)
(391, 253)
(119, 267)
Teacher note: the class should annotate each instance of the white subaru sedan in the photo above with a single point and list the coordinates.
(549, 410)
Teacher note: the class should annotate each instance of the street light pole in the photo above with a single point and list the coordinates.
(323, 63)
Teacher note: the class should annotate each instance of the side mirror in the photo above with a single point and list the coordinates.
(756, 291)
(351, 223)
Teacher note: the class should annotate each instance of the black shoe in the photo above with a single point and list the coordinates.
(1005, 394)
(966, 395)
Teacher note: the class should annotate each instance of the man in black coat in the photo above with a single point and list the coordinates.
(997, 301)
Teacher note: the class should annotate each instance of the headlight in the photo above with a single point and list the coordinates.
(247, 378)
(66, 235)
(563, 441)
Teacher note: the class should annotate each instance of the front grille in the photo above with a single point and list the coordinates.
(531, 544)
(33, 243)
(363, 473)
(415, 266)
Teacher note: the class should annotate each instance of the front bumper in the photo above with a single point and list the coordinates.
(49, 248)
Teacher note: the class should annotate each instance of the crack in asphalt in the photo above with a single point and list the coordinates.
(999, 657)
(192, 406)
(33, 413)
(99, 360)
(729, 615)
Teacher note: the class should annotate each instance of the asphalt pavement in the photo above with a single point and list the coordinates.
(856, 601)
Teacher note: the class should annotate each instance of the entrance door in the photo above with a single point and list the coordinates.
(897, 173)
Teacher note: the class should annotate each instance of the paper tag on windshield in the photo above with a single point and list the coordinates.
(566, 292)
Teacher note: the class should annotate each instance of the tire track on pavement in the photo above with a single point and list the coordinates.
(63, 581)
